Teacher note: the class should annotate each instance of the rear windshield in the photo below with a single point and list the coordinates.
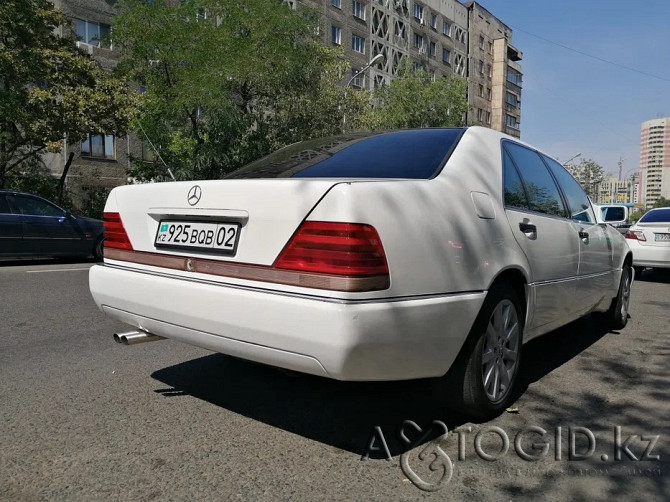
(415, 154)
(656, 216)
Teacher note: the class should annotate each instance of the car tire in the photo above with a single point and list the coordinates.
(638, 271)
(476, 384)
(616, 317)
(98, 249)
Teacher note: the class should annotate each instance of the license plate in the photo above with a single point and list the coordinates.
(207, 236)
(662, 237)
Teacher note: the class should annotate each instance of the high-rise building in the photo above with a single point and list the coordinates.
(655, 160)
(445, 37)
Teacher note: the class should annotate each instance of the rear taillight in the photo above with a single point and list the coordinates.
(339, 249)
(636, 235)
(115, 234)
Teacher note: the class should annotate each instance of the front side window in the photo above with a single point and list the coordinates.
(578, 201)
(98, 146)
(36, 207)
(541, 190)
(412, 154)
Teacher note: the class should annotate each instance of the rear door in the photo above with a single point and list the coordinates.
(596, 261)
(47, 230)
(538, 219)
(10, 229)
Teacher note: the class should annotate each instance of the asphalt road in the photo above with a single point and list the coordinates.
(84, 419)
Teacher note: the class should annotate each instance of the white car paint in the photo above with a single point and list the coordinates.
(650, 252)
(446, 241)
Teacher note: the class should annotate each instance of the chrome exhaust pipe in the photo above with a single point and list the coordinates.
(135, 337)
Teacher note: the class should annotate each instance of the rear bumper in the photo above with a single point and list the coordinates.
(392, 339)
(650, 256)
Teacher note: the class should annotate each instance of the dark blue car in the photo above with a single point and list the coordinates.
(33, 226)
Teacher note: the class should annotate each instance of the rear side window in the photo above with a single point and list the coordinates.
(580, 207)
(4, 205)
(656, 216)
(515, 195)
(416, 154)
(541, 190)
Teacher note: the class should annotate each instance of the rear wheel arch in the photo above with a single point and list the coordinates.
(515, 279)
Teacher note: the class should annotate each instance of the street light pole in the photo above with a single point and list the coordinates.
(378, 58)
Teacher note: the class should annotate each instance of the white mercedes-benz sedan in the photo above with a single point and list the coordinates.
(369, 256)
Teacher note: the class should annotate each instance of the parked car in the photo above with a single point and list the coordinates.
(369, 256)
(33, 226)
(649, 239)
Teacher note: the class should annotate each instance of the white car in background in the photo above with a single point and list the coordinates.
(369, 256)
(649, 239)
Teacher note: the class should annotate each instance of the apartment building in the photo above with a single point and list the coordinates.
(655, 160)
(445, 37)
(100, 160)
(613, 190)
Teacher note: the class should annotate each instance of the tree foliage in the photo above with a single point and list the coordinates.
(228, 81)
(589, 174)
(413, 99)
(49, 89)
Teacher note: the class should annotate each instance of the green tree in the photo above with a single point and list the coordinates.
(661, 202)
(49, 90)
(413, 99)
(228, 81)
(589, 174)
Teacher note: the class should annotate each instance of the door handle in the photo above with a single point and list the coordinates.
(583, 235)
(527, 227)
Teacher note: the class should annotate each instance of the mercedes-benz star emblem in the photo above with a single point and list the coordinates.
(194, 195)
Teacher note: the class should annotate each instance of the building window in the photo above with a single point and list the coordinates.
(358, 44)
(336, 3)
(480, 67)
(336, 35)
(96, 34)
(446, 29)
(98, 146)
(488, 70)
(481, 91)
(446, 56)
(481, 42)
(358, 10)
(418, 12)
(433, 21)
(490, 47)
(432, 49)
(510, 121)
(418, 42)
(488, 93)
